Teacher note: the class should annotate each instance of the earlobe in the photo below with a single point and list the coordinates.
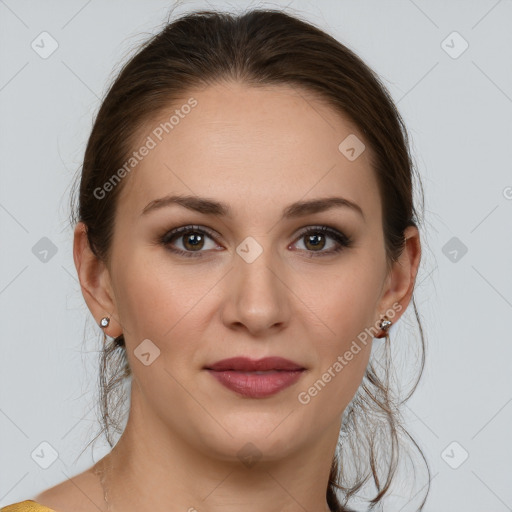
(95, 282)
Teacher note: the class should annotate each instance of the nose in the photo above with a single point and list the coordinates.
(256, 296)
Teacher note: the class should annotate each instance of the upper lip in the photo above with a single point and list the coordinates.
(244, 364)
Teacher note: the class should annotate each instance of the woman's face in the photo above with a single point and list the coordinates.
(250, 282)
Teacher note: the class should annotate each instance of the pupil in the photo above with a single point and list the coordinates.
(196, 240)
(315, 240)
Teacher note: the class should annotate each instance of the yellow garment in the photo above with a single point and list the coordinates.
(26, 506)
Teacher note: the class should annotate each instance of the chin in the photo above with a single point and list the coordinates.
(253, 438)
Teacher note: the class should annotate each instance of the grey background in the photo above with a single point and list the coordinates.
(459, 115)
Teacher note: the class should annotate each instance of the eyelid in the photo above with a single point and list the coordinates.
(328, 228)
(175, 232)
(169, 233)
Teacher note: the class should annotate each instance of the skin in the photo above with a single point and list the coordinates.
(258, 150)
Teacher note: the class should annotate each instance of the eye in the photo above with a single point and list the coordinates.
(315, 240)
(193, 239)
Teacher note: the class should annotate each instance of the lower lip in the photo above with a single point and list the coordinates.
(254, 385)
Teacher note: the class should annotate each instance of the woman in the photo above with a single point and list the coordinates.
(245, 230)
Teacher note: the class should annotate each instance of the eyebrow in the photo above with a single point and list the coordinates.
(208, 206)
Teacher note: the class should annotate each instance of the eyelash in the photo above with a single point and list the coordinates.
(342, 240)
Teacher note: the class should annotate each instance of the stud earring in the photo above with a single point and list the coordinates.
(104, 321)
(385, 324)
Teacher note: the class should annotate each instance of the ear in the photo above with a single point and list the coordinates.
(95, 282)
(400, 282)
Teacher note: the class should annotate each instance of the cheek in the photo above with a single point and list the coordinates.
(345, 304)
(346, 308)
(336, 378)
(154, 303)
(157, 306)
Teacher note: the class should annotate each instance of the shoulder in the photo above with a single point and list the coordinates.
(26, 506)
(81, 493)
(57, 499)
(76, 494)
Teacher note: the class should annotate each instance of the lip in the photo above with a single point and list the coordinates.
(245, 364)
(256, 378)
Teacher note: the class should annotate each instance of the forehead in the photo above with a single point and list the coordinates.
(250, 146)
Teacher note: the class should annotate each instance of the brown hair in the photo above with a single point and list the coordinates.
(262, 47)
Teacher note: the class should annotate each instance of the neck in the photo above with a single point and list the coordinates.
(161, 470)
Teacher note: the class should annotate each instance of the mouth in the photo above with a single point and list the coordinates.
(256, 378)
(244, 364)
